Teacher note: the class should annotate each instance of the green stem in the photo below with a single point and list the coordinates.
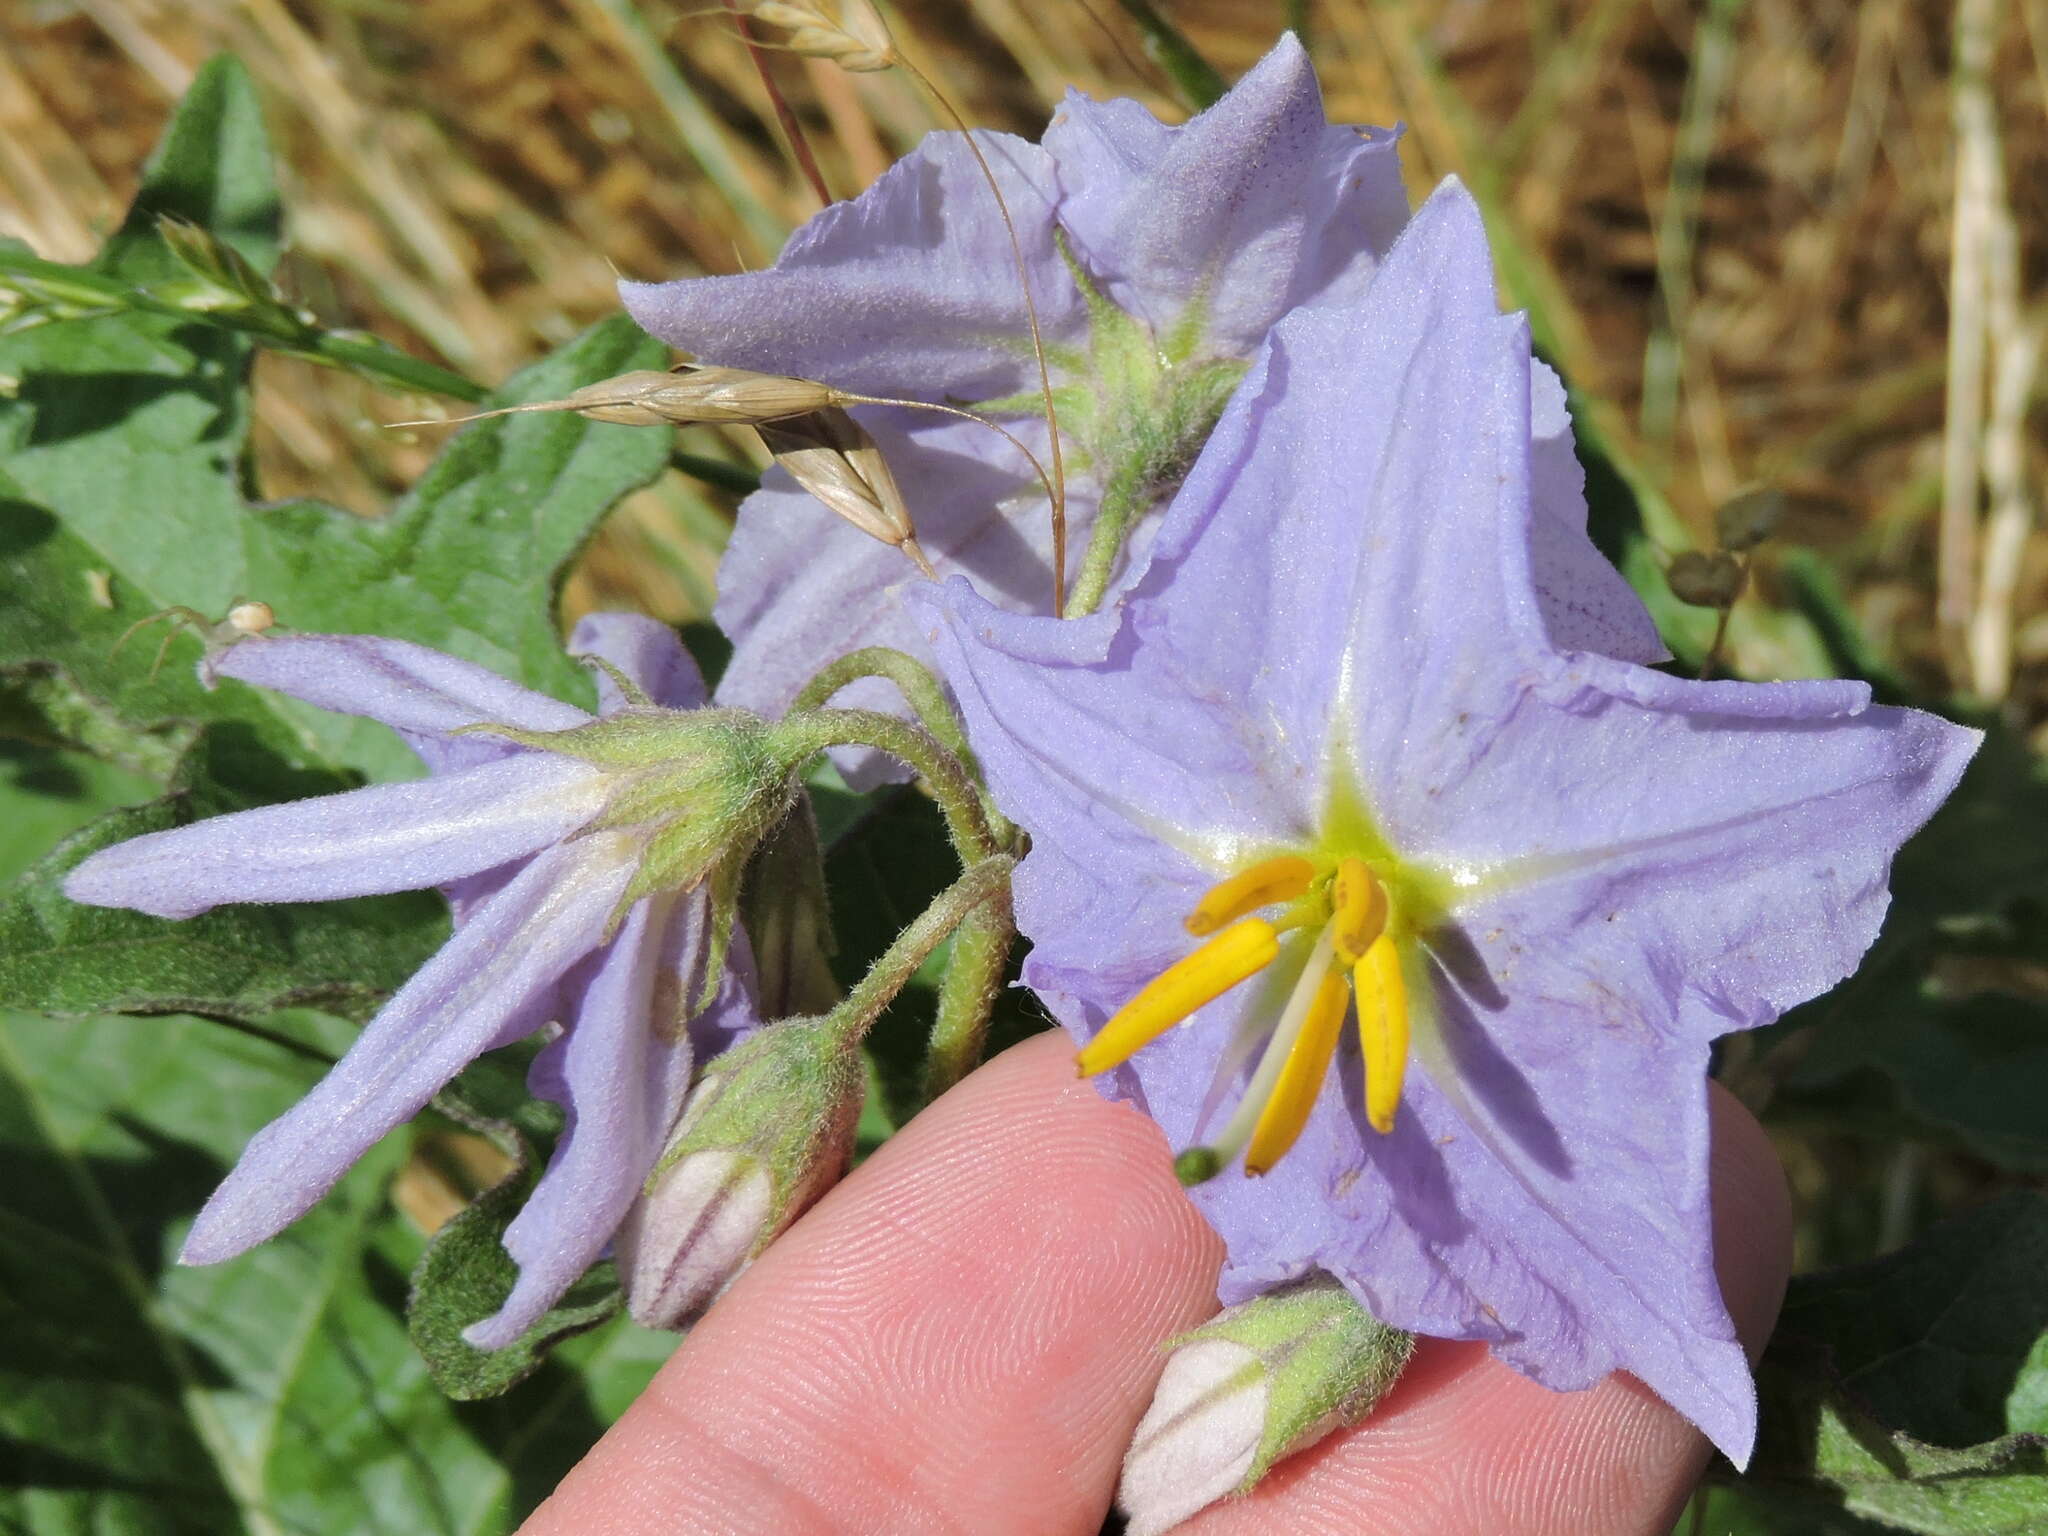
(268, 325)
(927, 700)
(1195, 75)
(380, 363)
(983, 881)
(967, 998)
(717, 473)
(1113, 518)
(802, 736)
(914, 680)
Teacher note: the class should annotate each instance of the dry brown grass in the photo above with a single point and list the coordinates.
(465, 176)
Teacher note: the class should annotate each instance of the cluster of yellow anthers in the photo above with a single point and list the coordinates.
(1354, 954)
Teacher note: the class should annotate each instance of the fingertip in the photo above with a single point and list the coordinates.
(1465, 1446)
(1752, 1219)
(962, 1334)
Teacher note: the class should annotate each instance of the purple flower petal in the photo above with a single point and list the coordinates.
(1254, 207)
(1206, 233)
(911, 288)
(647, 651)
(623, 1067)
(421, 693)
(387, 837)
(1587, 604)
(799, 586)
(1573, 1232)
(1708, 869)
(516, 946)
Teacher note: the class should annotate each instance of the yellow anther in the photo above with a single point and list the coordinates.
(1178, 991)
(1268, 881)
(1361, 915)
(1301, 1075)
(1382, 1029)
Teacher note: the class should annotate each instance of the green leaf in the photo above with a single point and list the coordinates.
(1971, 887)
(124, 445)
(1889, 1386)
(465, 1276)
(46, 794)
(274, 1393)
(2026, 1406)
(1973, 1069)
(211, 168)
(125, 487)
(1742, 1509)
(234, 962)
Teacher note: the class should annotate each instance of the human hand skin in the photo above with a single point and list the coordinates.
(963, 1334)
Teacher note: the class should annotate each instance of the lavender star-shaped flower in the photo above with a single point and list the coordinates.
(507, 832)
(1159, 257)
(1343, 732)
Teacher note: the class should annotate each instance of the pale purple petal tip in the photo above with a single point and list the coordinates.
(647, 652)
(411, 688)
(518, 945)
(383, 838)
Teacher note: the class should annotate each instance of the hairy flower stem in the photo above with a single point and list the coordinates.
(1121, 500)
(927, 700)
(801, 737)
(984, 881)
(1052, 421)
(967, 997)
(913, 680)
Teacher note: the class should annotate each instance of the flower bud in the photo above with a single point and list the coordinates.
(830, 455)
(1706, 580)
(1747, 520)
(766, 1131)
(787, 913)
(1260, 1381)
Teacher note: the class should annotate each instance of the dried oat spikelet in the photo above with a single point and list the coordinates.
(691, 394)
(851, 33)
(830, 455)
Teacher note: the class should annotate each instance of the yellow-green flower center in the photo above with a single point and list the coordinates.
(1368, 910)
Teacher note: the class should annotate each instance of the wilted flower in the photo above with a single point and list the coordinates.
(1158, 257)
(581, 898)
(1356, 724)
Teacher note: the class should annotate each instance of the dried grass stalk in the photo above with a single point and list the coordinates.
(851, 33)
(830, 455)
(693, 395)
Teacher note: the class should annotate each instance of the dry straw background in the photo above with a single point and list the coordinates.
(1797, 245)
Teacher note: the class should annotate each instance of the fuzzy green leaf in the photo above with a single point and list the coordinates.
(1892, 1388)
(234, 962)
(275, 1393)
(123, 498)
(464, 1277)
(211, 168)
